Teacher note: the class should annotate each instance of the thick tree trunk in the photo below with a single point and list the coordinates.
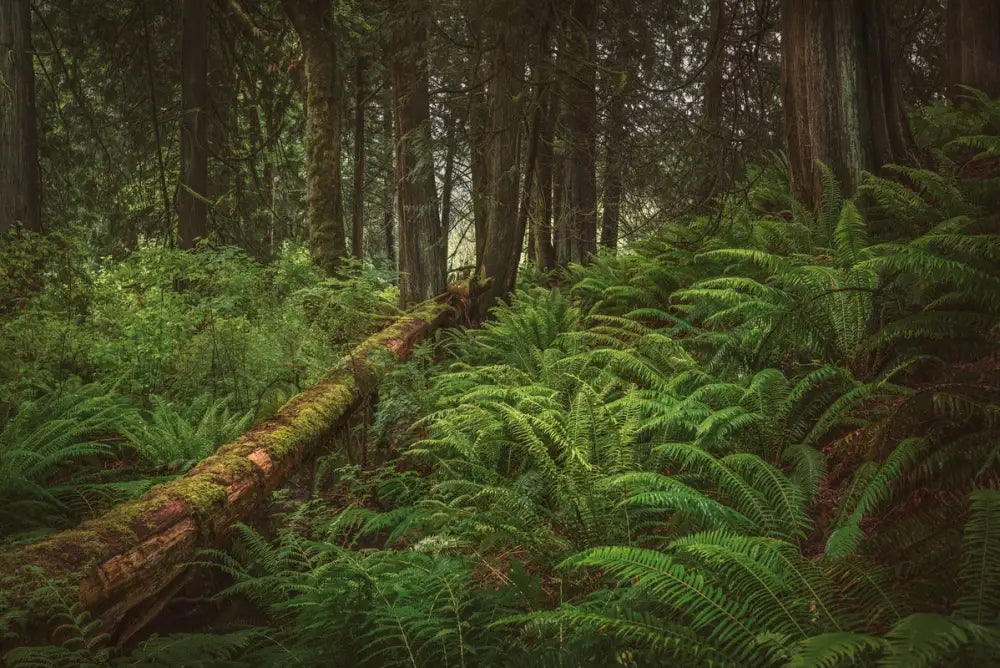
(580, 128)
(841, 102)
(358, 203)
(313, 21)
(192, 207)
(20, 179)
(123, 567)
(423, 244)
(498, 254)
(972, 39)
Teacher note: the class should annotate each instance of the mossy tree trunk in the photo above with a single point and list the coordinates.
(313, 21)
(842, 104)
(20, 179)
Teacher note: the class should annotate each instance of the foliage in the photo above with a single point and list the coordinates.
(757, 443)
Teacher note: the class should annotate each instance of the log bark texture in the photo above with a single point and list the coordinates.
(123, 566)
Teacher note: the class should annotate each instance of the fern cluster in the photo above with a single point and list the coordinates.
(765, 439)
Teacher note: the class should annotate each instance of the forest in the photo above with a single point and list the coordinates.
(509, 333)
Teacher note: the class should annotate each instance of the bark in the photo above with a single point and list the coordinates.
(20, 179)
(713, 167)
(842, 105)
(423, 243)
(580, 132)
(389, 187)
(358, 203)
(192, 208)
(615, 132)
(313, 21)
(448, 181)
(972, 41)
(499, 252)
(154, 111)
(542, 211)
(122, 567)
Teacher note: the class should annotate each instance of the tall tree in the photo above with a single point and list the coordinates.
(20, 180)
(618, 72)
(541, 201)
(389, 199)
(192, 209)
(423, 243)
(578, 65)
(358, 201)
(710, 180)
(841, 102)
(313, 21)
(499, 252)
(972, 38)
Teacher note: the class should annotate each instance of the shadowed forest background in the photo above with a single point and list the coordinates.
(508, 333)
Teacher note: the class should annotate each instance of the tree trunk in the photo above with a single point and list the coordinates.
(154, 112)
(713, 158)
(499, 252)
(972, 39)
(841, 102)
(20, 179)
(580, 128)
(448, 181)
(389, 187)
(358, 203)
(192, 208)
(313, 21)
(423, 243)
(542, 213)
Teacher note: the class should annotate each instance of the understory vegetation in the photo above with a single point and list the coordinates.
(119, 374)
(759, 438)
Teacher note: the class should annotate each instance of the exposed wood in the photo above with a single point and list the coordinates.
(121, 564)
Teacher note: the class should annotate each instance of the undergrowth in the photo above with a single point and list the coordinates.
(118, 374)
(759, 439)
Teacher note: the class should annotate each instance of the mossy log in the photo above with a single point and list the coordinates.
(123, 566)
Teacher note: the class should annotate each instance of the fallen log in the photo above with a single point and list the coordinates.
(123, 566)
